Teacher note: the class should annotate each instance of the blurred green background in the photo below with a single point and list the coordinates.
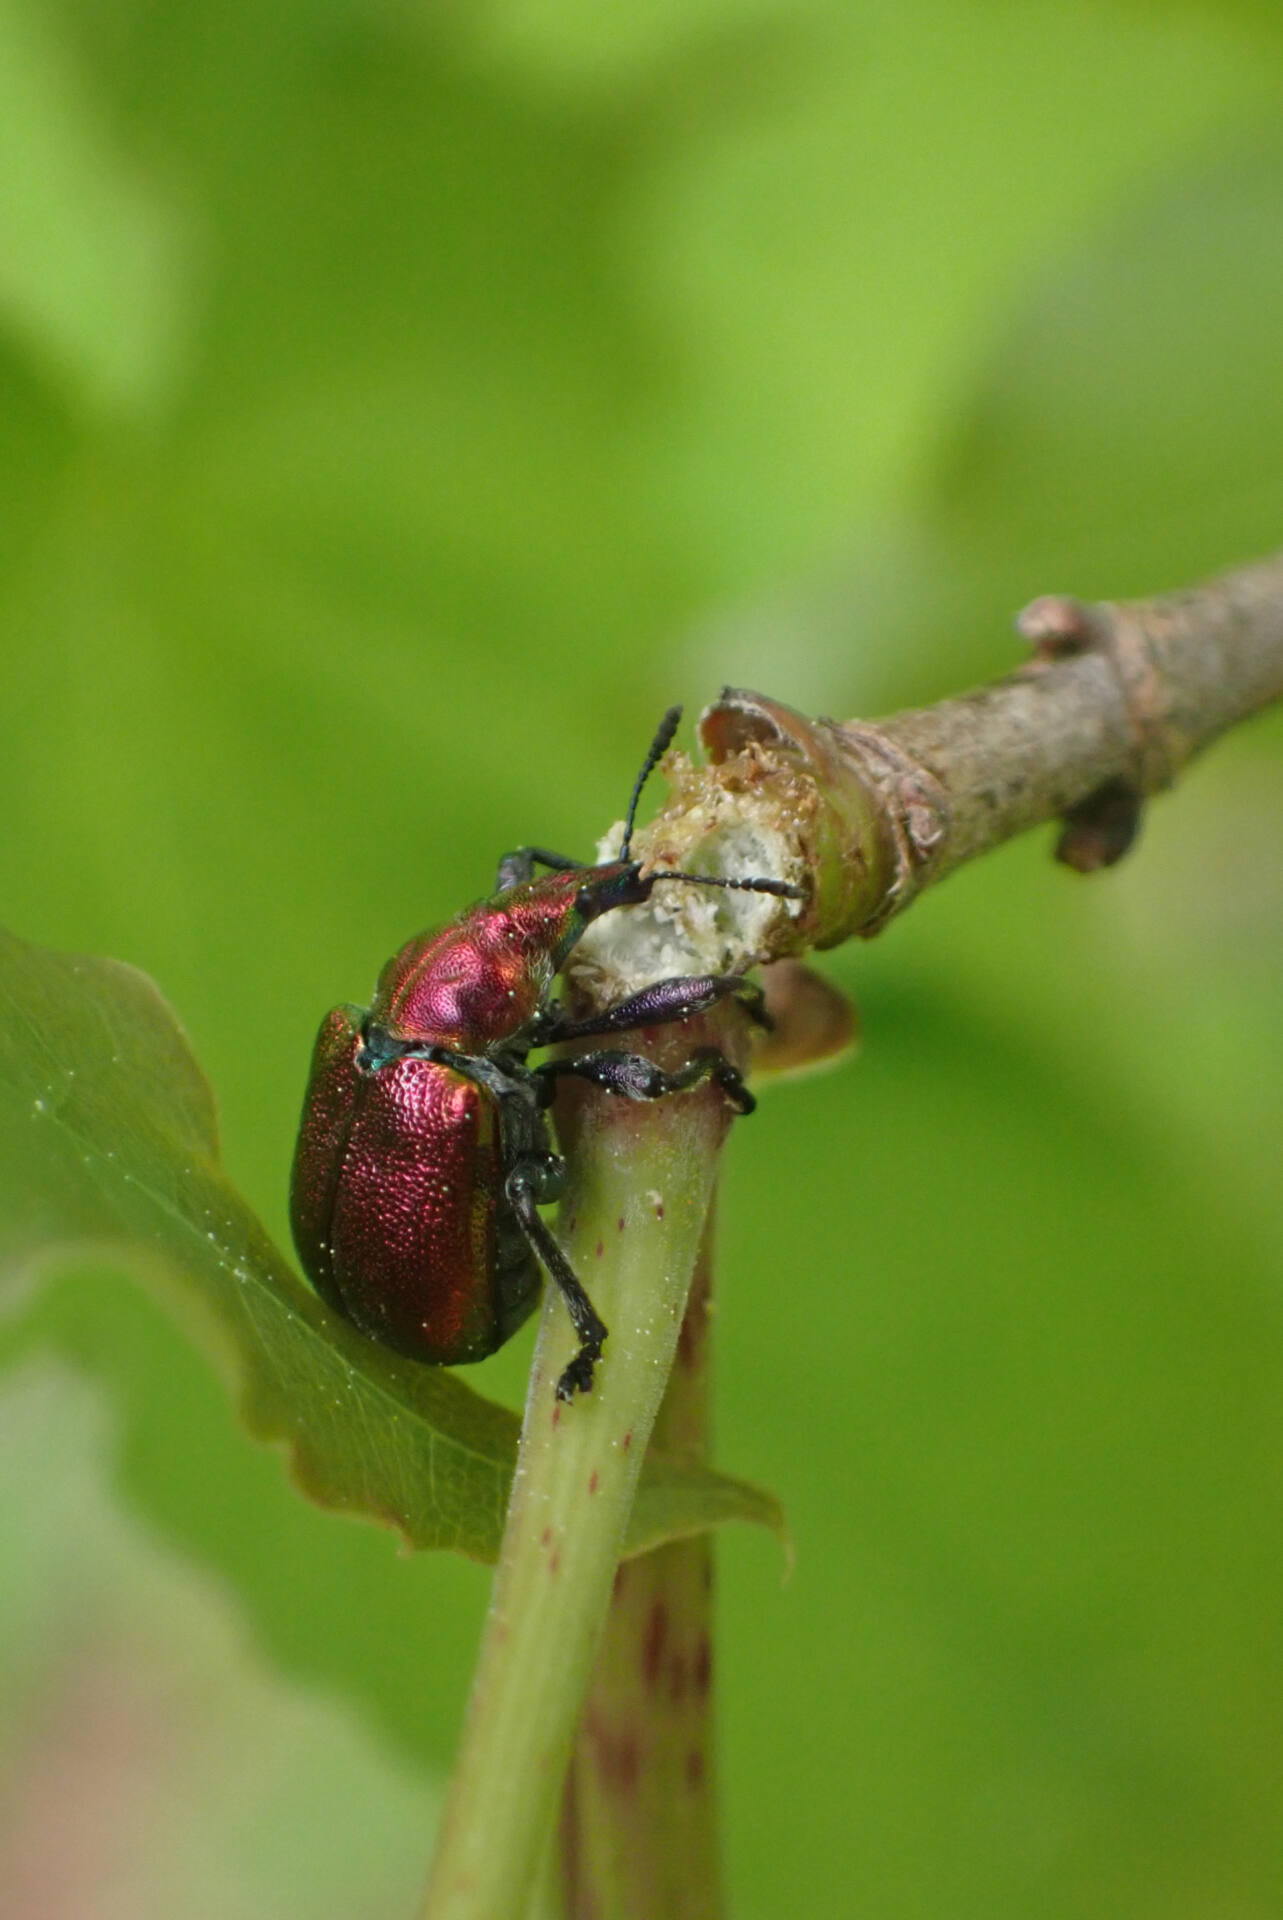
(400, 404)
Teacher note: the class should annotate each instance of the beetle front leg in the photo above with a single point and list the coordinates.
(529, 1183)
(517, 869)
(663, 1001)
(633, 1077)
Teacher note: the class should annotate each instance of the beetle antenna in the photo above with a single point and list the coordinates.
(783, 889)
(658, 748)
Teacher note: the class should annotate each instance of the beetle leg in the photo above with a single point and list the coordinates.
(529, 1182)
(633, 1077)
(664, 1000)
(517, 869)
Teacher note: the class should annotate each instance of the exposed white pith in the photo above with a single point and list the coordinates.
(684, 929)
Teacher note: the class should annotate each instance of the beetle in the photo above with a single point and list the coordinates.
(424, 1152)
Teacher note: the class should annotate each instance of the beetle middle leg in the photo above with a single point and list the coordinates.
(530, 1183)
(633, 1077)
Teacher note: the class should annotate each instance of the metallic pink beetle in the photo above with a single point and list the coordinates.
(424, 1151)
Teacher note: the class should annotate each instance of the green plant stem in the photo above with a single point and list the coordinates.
(642, 1176)
(639, 1814)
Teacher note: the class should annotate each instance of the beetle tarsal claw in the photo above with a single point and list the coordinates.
(577, 1377)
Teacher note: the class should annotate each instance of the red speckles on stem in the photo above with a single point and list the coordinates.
(556, 1414)
(628, 1440)
(600, 1248)
(694, 1769)
(554, 1564)
(594, 1481)
(621, 1223)
(545, 1538)
(653, 1639)
(615, 1754)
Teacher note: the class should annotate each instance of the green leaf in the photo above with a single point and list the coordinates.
(108, 1145)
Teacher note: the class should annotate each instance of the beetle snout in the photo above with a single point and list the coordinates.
(618, 885)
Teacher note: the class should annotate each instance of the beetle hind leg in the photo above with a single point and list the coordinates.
(530, 1182)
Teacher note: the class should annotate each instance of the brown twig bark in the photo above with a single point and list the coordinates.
(1116, 699)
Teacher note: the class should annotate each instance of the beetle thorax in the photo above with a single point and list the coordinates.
(473, 987)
